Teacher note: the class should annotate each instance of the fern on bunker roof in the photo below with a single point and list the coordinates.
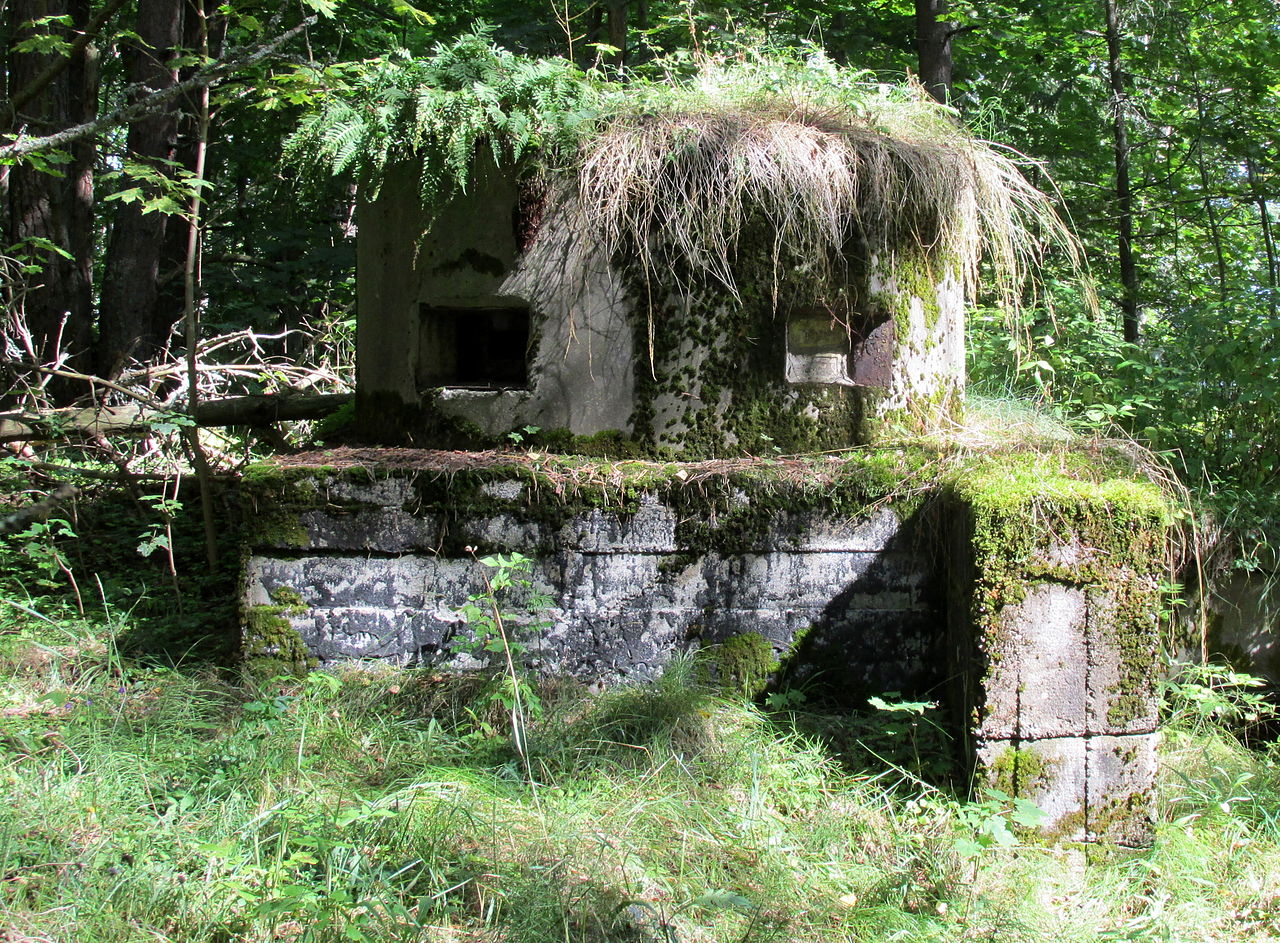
(816, 161)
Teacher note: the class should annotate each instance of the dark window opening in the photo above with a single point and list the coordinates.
(477, 348)
(824, 349)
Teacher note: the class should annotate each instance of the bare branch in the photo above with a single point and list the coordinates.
(212, 76)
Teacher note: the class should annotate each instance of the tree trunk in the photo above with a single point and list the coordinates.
(170, 301)
(128, 314)
(1211, 215)
(618, 29)
(1124, 192)
(47, 209)
(1268, 238)
(135, 419)
(933, 47)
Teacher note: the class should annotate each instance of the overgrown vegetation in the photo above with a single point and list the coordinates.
(679, 166)
(168, 797)
(151, 796)
(171, 802)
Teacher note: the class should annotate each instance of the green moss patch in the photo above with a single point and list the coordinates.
(272, 646)
(1022, 509)
(741, 664)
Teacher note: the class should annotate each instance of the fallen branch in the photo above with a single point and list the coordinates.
(138, 418)
(40, 511)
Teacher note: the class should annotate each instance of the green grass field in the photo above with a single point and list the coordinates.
(149, 802)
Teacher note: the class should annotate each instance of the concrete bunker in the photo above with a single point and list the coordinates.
(517, 302)
(695, 289)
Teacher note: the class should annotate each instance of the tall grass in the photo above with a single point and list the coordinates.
(154, 803)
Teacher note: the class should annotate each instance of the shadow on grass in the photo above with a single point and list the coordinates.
(166, 609)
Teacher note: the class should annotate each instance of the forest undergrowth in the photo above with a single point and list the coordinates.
(154, 799)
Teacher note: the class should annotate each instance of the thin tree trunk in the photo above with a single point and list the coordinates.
(169, 304)
(191, 313)
(1268, 238)
(933, 47)
(127, 313)
(1211, 214)
(1124, 192)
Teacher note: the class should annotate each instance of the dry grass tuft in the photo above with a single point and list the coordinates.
(824, 168)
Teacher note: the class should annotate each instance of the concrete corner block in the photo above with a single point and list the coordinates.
(1123, 647)
(1037, 675)
(1095, 789)
(1120, 789)
(1052, 773)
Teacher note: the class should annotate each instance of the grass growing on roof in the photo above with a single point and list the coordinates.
(829, 161)
(781, 146)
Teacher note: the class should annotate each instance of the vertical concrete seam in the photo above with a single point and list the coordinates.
(1089, 602)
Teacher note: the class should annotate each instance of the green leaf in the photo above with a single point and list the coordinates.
(421, 17)
(326, 8)
(1025, 812)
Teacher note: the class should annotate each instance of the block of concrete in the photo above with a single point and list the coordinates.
(651, 529)
(1123, 643)
(1052, 773)
(1037, 679)
(1120, 789)
(383, 530)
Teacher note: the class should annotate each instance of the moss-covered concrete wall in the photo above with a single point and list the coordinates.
(682, 369)
(1022, 588)
(1053, 612)
(639, 561)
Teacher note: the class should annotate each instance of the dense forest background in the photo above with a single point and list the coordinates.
(144, 197)
(178, 185)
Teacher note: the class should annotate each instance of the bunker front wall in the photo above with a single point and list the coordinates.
(502, 274)
(1021, 593)
(637, 563)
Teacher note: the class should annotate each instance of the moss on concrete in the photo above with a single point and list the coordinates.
(271, 645)
(1019, 772)
(742, 664)
(1022, 510)
(1076, 518)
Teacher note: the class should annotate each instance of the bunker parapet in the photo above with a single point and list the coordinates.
(1020, 589)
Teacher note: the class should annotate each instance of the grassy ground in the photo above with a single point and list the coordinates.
(145, 802)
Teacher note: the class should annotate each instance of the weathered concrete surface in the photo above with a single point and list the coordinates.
(1241, 612)
(1048, 645)
(623, 599)
(690, 371)
(1057, 675)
